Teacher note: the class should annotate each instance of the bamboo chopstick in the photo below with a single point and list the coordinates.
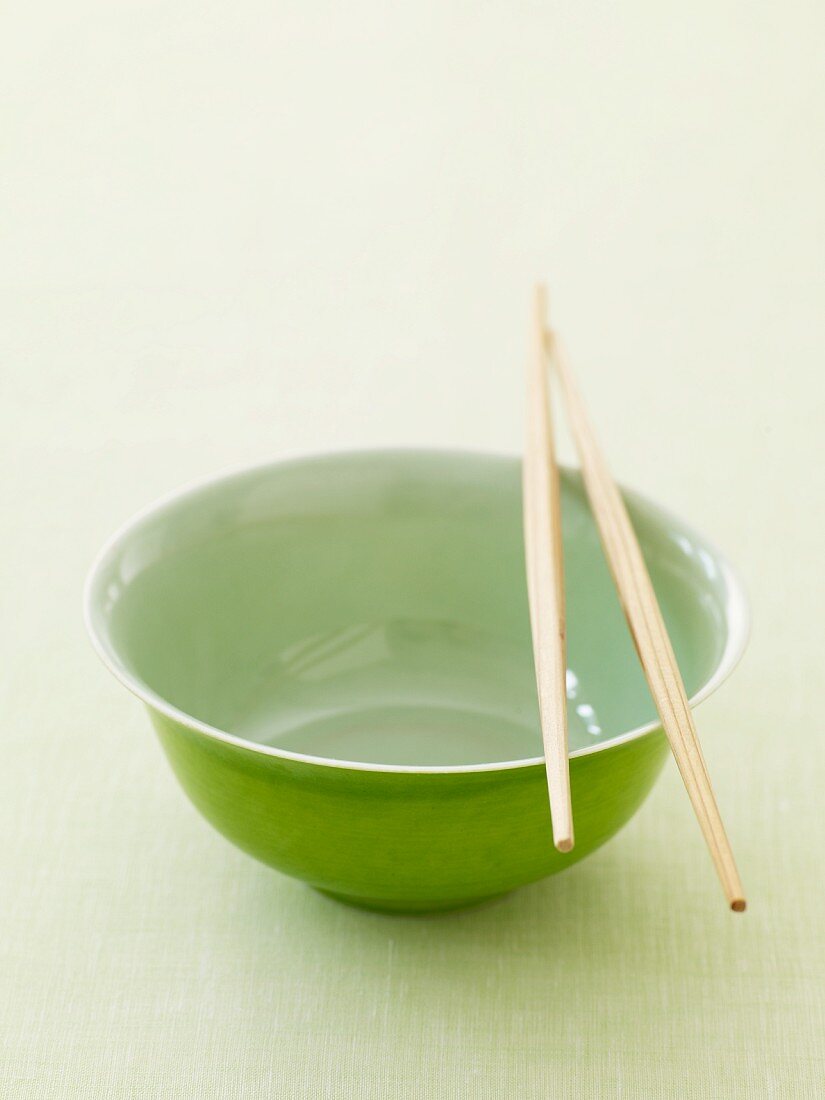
(647, 627)
(545, 582)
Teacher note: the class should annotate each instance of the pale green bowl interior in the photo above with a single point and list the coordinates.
(372, 607)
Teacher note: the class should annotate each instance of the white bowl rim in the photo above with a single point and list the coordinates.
(736, 608)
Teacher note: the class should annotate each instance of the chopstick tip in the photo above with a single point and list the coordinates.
(739, 905)
(564, 843)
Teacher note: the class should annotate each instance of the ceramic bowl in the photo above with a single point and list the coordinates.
(335, 653)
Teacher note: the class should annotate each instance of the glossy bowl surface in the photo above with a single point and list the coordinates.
(335, 652)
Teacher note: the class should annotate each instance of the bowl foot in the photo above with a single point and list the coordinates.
(410, 908)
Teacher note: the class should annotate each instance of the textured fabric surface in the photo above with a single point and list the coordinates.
(240, 231)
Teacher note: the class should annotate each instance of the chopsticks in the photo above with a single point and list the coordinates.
(545, 580)
(644, 617)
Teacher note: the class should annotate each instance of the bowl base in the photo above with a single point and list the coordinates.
(392, 906)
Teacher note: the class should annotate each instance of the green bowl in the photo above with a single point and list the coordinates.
(336, 655)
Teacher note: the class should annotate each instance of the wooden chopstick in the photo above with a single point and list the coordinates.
(545, 581)
(647, 627)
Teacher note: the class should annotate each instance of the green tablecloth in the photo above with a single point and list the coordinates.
(196, 279)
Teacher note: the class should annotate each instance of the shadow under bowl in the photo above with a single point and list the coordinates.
(335, 652)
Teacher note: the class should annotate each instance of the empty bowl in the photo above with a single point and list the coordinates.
(336, 655)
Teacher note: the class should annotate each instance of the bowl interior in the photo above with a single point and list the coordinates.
(372, 607)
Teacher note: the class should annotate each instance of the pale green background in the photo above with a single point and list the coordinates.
(241, 230)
